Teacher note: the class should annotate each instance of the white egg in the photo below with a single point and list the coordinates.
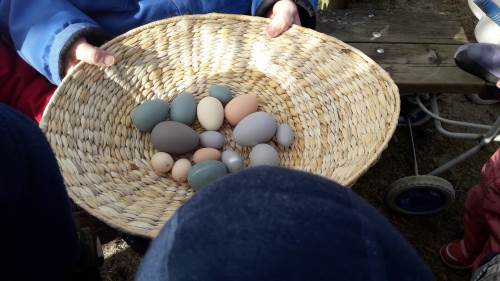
(210, 113)
(162, 163)
(181, 169)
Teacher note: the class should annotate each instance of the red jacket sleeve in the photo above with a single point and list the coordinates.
(490, 182)
(21, 86)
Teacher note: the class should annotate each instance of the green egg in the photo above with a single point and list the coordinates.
(206, 172)
(147, 115)
(220, 92)
(183, 109)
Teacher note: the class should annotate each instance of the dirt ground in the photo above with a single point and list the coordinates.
(427, 234)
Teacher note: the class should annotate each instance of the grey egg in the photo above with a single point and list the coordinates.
(220, 92)
(264, 154)
(284, 135)
(212, 139)
(232, 160)
(206, 172)
(183, 109)
(149, 114)
(174, 137)
(256, 128)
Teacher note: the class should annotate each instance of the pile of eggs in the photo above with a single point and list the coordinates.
(172, 134)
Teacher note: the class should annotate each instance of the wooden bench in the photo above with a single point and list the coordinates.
(416, 48)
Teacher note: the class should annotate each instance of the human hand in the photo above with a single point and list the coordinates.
(283, 14)
(498, 84)
(81, 50)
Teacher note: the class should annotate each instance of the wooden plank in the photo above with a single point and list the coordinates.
(413, 79)
(414, 54)
(418, 48)
(393, 26)
(427, 68)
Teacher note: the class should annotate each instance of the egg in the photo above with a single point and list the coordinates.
(220, 92)
(149, 114)
(206, 153)
(240, 107)
(162, 163)
(232, 160)
(264, 154)
(284, 135)
(212, 139)
(174, 137)
(256, 128)
(183, 109)
(181, 169)
(210, 113)
(205, 173)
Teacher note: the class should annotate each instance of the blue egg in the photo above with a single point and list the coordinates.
(205, 173)
(264, 155)
(258, 127)
(233, 161)
(212, 139)
(147, 115)
(284, 135)
(220, 92)
(183, 109)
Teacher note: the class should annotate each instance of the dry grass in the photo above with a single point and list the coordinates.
(324, 4)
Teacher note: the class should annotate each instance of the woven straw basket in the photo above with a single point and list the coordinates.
(342, 106)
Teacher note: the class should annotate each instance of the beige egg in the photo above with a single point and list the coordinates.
(240, 107)
(162, 163)
(181, 169)
(210, 113)
(206, 153)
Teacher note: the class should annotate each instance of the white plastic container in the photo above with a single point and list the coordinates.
(475, 9)
(486, 30)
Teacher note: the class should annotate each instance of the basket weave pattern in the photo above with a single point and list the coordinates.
(342, 106)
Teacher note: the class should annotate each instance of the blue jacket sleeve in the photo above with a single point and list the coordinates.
(307, 10)
(42, 31)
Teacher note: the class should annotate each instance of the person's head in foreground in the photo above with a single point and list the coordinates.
(276, 224)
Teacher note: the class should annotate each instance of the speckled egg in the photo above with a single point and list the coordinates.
(206, 153)
(220, 92)
(206, 172)
(210, 113)
(232, 160)
(284, 135)
(181, 169)
(149, 114)
(212, 139)
(240, 107)
(162, 163)
(183, 109)
(256, 128)
(264, 154)
(174, 137)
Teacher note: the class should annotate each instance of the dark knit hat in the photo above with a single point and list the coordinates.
(273, 224)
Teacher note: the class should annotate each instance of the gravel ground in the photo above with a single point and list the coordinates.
(427, 234)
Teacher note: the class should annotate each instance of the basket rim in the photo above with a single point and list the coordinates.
(392, 87)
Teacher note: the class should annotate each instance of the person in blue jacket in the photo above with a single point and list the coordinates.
(54, 35)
